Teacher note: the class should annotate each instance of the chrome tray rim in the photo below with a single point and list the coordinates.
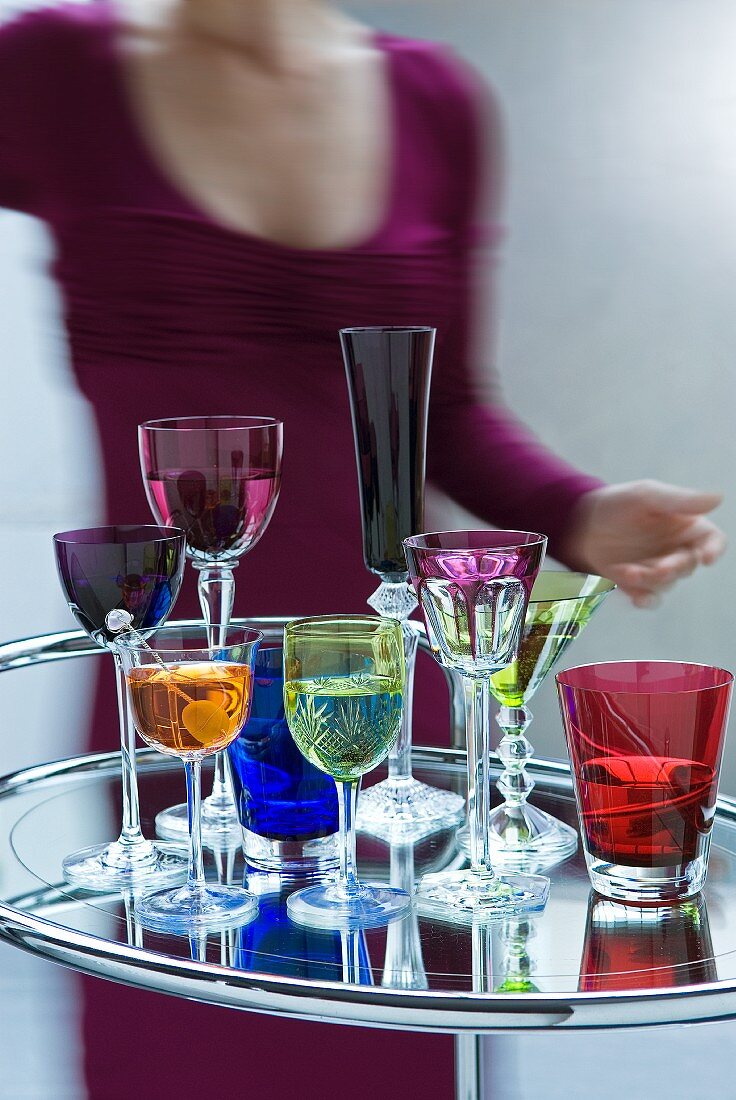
(364, 1006)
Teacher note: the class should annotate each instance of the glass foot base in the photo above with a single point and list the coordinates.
(292, 857)
(464, 897)
(112, 867)
(219, 829)
(647, 885)
(185, 909)
(530, 841)
(327, 906)
(405, 809)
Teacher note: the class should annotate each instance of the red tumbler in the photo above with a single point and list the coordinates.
(645, 741)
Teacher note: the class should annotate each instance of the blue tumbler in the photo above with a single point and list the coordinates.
(287, 808)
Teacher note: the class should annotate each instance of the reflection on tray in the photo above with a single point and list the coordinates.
(516, 962)
(501, 959)
(294, 950)
(629, 947)
(403, 965)
(580, 943)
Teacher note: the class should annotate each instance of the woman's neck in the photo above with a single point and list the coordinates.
(275, 34)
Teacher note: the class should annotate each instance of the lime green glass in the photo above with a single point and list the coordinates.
(561, 606)
(344, 684)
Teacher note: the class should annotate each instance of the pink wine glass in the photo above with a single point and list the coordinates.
(646, 741)
(218, 479)
(473, 588)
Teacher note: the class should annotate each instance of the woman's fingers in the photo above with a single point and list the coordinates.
(647, 535)
(710, 543)
(658, 573)
(704, 545)
(648, 600)
(675, 500)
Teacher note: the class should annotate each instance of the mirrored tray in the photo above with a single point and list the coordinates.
(585, 962)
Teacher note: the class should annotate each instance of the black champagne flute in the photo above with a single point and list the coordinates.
(389, 372)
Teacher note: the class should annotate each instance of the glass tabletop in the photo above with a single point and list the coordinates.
(583, 962)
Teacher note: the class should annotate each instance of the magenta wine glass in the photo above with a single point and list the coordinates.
(473, 588)
(646, 740)
(388, 372)
(218, 479)
(139, 570)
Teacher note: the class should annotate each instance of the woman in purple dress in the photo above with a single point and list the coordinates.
(229, 182)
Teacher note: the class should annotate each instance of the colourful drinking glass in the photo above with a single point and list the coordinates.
(189, 699)
(388, 373)
(473, 588)
(137, 569)
(525, 837)
(645, 741)
(344, 681)
(218, 479)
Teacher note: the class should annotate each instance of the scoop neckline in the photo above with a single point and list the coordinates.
(190, 207)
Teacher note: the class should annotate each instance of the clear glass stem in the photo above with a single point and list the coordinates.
(396, 600)
(133, 927)
(350, 951)
(131, 835)
(347, 794)
(482, 946)
(515, 753)
(478, 723)
(198, 946)
(216, 588)
(195, 874)
(399, 759)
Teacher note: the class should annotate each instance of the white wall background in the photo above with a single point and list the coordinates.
(617, 344)
(48, 482)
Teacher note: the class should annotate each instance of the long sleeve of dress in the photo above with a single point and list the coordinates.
(23, 80)
(479, 453)
(43, 159)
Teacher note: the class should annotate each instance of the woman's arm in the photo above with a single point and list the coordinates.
(34, 69)
(16, 117)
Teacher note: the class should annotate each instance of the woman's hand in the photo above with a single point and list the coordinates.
(644, 535)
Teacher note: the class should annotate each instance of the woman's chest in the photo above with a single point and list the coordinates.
(136, 278)
(301, 159)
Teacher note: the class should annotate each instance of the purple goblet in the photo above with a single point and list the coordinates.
(140, 570)
(473, 588)
(218, 479)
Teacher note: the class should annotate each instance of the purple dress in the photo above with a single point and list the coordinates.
(171, 314)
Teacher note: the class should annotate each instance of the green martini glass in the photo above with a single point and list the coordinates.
(523, 837)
